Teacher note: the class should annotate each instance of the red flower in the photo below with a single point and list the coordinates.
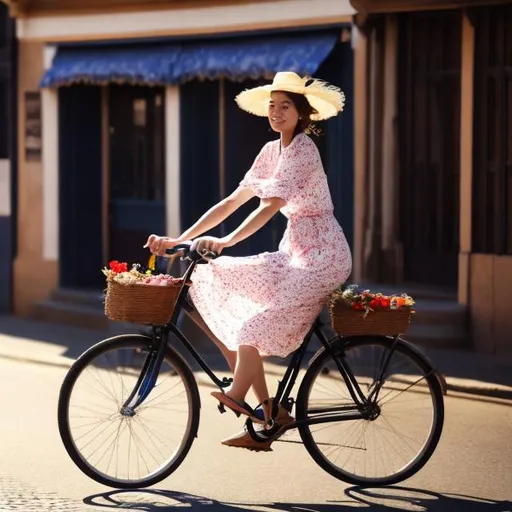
(385, 302)
(374, 303)
(117, 267)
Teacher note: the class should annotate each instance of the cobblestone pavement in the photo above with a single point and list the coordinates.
(17, 495)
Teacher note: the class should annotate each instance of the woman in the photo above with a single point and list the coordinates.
(265, 304)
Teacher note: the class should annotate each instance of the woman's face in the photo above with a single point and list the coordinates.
(282, 113)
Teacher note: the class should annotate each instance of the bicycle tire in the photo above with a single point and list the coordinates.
(345, 346)
(128, 341)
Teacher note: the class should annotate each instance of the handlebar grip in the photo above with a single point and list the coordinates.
(169, 253)
(194, 255)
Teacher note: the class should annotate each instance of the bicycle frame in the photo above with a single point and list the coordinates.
(359, 410)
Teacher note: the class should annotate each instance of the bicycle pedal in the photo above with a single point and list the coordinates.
(221, 408)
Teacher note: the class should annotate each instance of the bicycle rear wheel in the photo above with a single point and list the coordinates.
(403, 432)
(127, 449)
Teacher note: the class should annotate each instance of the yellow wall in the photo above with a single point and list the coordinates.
(34, 278)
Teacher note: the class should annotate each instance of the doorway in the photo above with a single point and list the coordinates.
(137, 169)
(429, 117)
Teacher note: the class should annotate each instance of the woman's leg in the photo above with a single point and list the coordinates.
(259, 383)
(249, 372)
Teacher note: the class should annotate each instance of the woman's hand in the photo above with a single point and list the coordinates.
(210, 243)
(158, 244)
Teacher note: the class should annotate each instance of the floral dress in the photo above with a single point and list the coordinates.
(270, 300)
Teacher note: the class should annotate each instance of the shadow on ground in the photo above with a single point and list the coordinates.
(385, 499)
(73, 341)
(458, 364)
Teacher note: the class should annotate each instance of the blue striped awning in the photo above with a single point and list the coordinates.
(173, 63)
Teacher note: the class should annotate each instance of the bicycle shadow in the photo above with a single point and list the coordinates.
(378, 499)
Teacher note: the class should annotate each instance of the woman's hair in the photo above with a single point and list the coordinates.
(305, 111)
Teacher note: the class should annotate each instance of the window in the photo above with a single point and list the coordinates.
(492, 166)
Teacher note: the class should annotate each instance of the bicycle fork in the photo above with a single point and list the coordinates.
(147, 378)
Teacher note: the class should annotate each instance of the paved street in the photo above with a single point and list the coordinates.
(471, 470)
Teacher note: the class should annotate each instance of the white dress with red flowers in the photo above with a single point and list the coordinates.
(269, 301)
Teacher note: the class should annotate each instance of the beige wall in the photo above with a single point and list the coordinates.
(208, 18)
(34, 277)
(489, 289)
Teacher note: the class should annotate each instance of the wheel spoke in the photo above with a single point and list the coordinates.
(398, 429)
(125, 448)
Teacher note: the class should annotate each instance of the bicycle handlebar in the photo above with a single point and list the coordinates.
(188, 254)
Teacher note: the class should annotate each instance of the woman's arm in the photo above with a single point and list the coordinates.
(256, 220)
(218, 213)
(213, 217)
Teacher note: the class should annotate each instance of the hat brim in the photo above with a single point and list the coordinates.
(327, 103)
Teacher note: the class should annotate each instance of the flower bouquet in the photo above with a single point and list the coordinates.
(361, 312)
(139, 295)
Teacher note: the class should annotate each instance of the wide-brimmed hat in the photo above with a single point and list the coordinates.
(326, 99)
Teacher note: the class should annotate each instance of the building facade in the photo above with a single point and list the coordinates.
(139, 129)
(433, 146)
(7, 156)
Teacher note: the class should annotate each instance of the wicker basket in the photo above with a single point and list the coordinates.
(143, 304)
(347, 321)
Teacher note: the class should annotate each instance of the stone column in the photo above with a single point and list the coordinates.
(466, 157)
(50, 134)
(390, 192)
(172, 161)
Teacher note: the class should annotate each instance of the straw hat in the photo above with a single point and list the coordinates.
(326, 99)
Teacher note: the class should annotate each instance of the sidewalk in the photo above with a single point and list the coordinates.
(59, 345)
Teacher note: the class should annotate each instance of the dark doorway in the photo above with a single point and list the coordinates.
(137, 169)
(492, 142)
(429, 117)
(199, 150)
(80, 187)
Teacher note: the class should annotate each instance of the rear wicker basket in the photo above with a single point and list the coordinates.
(347, 321)
(140, 303)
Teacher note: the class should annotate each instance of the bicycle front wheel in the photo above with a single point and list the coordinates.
(123, 448)
(406, 419)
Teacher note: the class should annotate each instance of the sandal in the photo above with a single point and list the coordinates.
(244, 440)
(238, 407)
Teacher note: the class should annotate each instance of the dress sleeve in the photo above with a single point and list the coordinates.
(290, 177)
(259, 170)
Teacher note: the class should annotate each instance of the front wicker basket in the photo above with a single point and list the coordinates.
(142, 304)
(347, 321)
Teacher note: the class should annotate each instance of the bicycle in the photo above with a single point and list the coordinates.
(150, 380)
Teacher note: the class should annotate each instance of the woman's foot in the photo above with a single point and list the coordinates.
(237, 406)
(244, 439)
